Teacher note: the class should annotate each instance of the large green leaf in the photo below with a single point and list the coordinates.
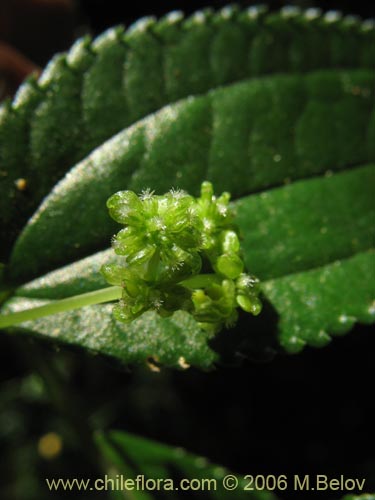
(102, 86)
(131, 456)
(303, 283)
(301, 145)
(268, 131)
(175, 342)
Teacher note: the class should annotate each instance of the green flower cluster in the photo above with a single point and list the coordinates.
(180, 252)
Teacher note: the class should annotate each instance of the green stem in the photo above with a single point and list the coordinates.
(89, 299)
(68, 304)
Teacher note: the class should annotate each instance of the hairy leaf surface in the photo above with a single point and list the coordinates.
(278, 109)
(268, 131)
(303, 283)
(101, 86)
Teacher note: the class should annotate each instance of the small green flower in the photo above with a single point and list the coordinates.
(165, 242)
(162, 234)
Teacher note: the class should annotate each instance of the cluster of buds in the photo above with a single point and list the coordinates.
(179, 252)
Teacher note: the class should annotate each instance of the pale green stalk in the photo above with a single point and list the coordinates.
(68, 304)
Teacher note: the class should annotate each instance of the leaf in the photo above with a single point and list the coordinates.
(301, 145)
(102, 86)
(275, 236)
(326, 301)
(176, 341)
(308, 223)
(132, 455)
(268, 131)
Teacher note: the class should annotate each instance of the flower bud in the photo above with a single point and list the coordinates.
(124, 207)
(230, 265)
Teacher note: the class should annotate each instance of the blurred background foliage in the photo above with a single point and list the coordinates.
(311, 413)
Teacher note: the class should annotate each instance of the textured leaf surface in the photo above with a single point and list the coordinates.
(102, 86)
(301, 144)
(326, 301)
(155, 460)
(275, 226)
(175, 342)
(327, 293)
(308, 223)
(269, 131)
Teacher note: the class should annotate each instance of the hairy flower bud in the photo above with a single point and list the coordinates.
(165, 243)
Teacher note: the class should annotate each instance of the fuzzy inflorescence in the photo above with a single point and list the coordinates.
(180, 253)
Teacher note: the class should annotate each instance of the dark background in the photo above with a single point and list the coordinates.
(307, 414)
(106, 13)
